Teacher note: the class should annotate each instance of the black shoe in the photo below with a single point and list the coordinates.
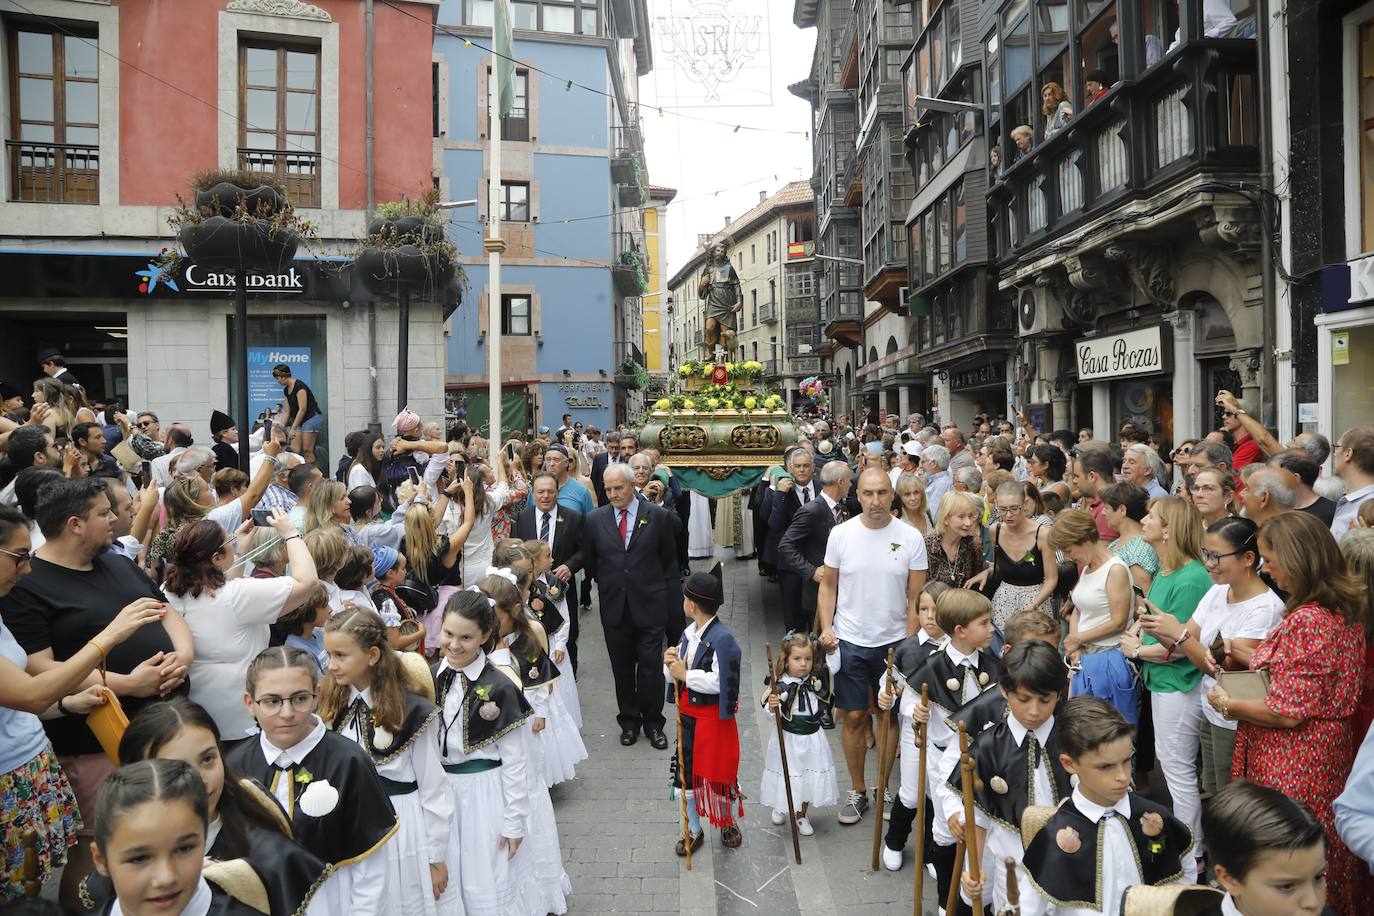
(827, 719)
(656, 738)
(629, 736)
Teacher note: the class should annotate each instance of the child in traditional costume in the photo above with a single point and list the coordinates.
(373, 699)
(1016, 760)
(1081, 857)
(954, 675)
(150, 824)
(484, 751)
(548, 603)
(331, 793)
(521, 647)
(705, 667)
(802, 695)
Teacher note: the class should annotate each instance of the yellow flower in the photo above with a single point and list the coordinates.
(772, 401)
(661, 404)
(712, 403)
(706, 370)
(689, 404)
(751, 402)
(684, 370)
(729, 367)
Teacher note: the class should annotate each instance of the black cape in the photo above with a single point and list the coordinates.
(494, 685)
(546, 590)
(1075, 879)
(815, 685)
(357, 826)
(1004, 770)
(939, 672)
(536, 668)
(983, 711)
(419, 713)
(911, 654)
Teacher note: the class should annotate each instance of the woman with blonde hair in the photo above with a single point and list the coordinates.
(434, 560)
(1298, 738)
(1056, 108)
(66, 406)
(911, 502)
(952, 549)
(182, 502)
(1173, 529)
(328, 548)
(328, 506)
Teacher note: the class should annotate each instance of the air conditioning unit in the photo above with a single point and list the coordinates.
(1038, 312)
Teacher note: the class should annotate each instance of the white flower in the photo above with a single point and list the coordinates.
(489, 711)
(319, 798)
(381, 738)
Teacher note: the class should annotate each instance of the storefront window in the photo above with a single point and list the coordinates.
(1352, 379)
(1147, 401)
(298, 341)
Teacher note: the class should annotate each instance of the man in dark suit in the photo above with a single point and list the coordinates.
(611, 456)
(630, 548)
(561, 528)
(801, 552)
(787, 496)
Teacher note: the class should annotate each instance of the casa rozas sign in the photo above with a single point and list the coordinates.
(1139, 352)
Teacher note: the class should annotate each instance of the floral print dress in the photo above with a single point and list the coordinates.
(504, 518)
(967, 562)
(1315, 661)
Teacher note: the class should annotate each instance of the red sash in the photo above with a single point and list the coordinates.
(715, 763)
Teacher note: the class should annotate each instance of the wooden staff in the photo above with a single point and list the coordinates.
(782, 753)
(952, 900)
(970, 834)
(682, 777)
(884, 739)
(921, 803)
(1013, 891)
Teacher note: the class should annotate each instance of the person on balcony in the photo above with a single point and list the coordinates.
(1094, 87)
(1021, 135)
(1056, 108)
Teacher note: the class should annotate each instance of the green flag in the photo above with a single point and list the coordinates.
(504, 45)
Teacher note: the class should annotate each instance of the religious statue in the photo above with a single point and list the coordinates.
(719, 286)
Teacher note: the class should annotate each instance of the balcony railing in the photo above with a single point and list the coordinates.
(54, 173)
(768, 313)
(770, 368)
(1143, 137)
(298, 171)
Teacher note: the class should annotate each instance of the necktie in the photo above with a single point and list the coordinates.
(839, 514)
(805, 495)
(544, 527)
(1033, 750)
(624, 520)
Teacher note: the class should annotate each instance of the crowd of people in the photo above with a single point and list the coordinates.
(363, 672)
(1198, 616)
(359, 687)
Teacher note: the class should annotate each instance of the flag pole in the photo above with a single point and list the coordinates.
(494, 244)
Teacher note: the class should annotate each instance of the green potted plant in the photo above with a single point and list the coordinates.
(629, 275)
(407, 245)
(631, 374)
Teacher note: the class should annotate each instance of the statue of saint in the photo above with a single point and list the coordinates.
(719, 286)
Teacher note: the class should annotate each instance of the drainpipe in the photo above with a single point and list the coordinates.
(1266, 148)
(369, 28)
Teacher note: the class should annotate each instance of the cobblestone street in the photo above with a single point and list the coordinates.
(618, 822)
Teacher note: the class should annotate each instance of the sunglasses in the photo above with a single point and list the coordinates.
(144, 424)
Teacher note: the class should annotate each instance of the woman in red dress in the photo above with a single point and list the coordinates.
(1298, 738)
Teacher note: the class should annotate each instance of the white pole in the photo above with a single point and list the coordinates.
(494, 246)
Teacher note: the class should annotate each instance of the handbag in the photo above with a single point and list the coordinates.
(108, 723)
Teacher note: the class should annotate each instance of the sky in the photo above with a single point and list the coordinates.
(718, 172)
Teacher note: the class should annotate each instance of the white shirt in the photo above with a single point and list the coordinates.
(509, 749)
(1091, 602)
(230, 628)
(1118, 860)
(289, 757)
(1347, 507)
(552, 514)
(359, 476)
(162, 467)
(229, 515)
(697, 680)
(873, 564)
(418, 764)
(804, 493)
(1215, 616)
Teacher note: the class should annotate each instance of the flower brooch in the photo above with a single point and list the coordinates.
(488, 710)
(319, 797)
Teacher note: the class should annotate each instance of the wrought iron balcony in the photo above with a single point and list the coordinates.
(768, 313)
(54, 173)
(298, 172)
(770, 368)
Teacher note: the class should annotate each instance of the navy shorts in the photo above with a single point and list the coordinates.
(861, 671)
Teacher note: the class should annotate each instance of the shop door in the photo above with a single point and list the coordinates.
(1217, 374)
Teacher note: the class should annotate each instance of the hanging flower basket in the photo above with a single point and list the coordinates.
(407, 247)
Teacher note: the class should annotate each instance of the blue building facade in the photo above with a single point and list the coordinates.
(568, 321)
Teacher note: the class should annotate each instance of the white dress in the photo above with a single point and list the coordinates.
(810, 765)
(488, 805)
(545, 851)
(565, 688)
(423, 817)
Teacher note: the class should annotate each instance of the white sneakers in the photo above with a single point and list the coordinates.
(803, 825)
(892, 859)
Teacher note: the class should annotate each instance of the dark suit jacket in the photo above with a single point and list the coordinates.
(598, 472)
(636, 583)
(567, 534)
(802, 547)
(781, 508)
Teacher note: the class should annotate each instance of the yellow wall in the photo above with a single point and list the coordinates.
(653, 325)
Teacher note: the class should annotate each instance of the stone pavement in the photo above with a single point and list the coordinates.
(618, 821)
